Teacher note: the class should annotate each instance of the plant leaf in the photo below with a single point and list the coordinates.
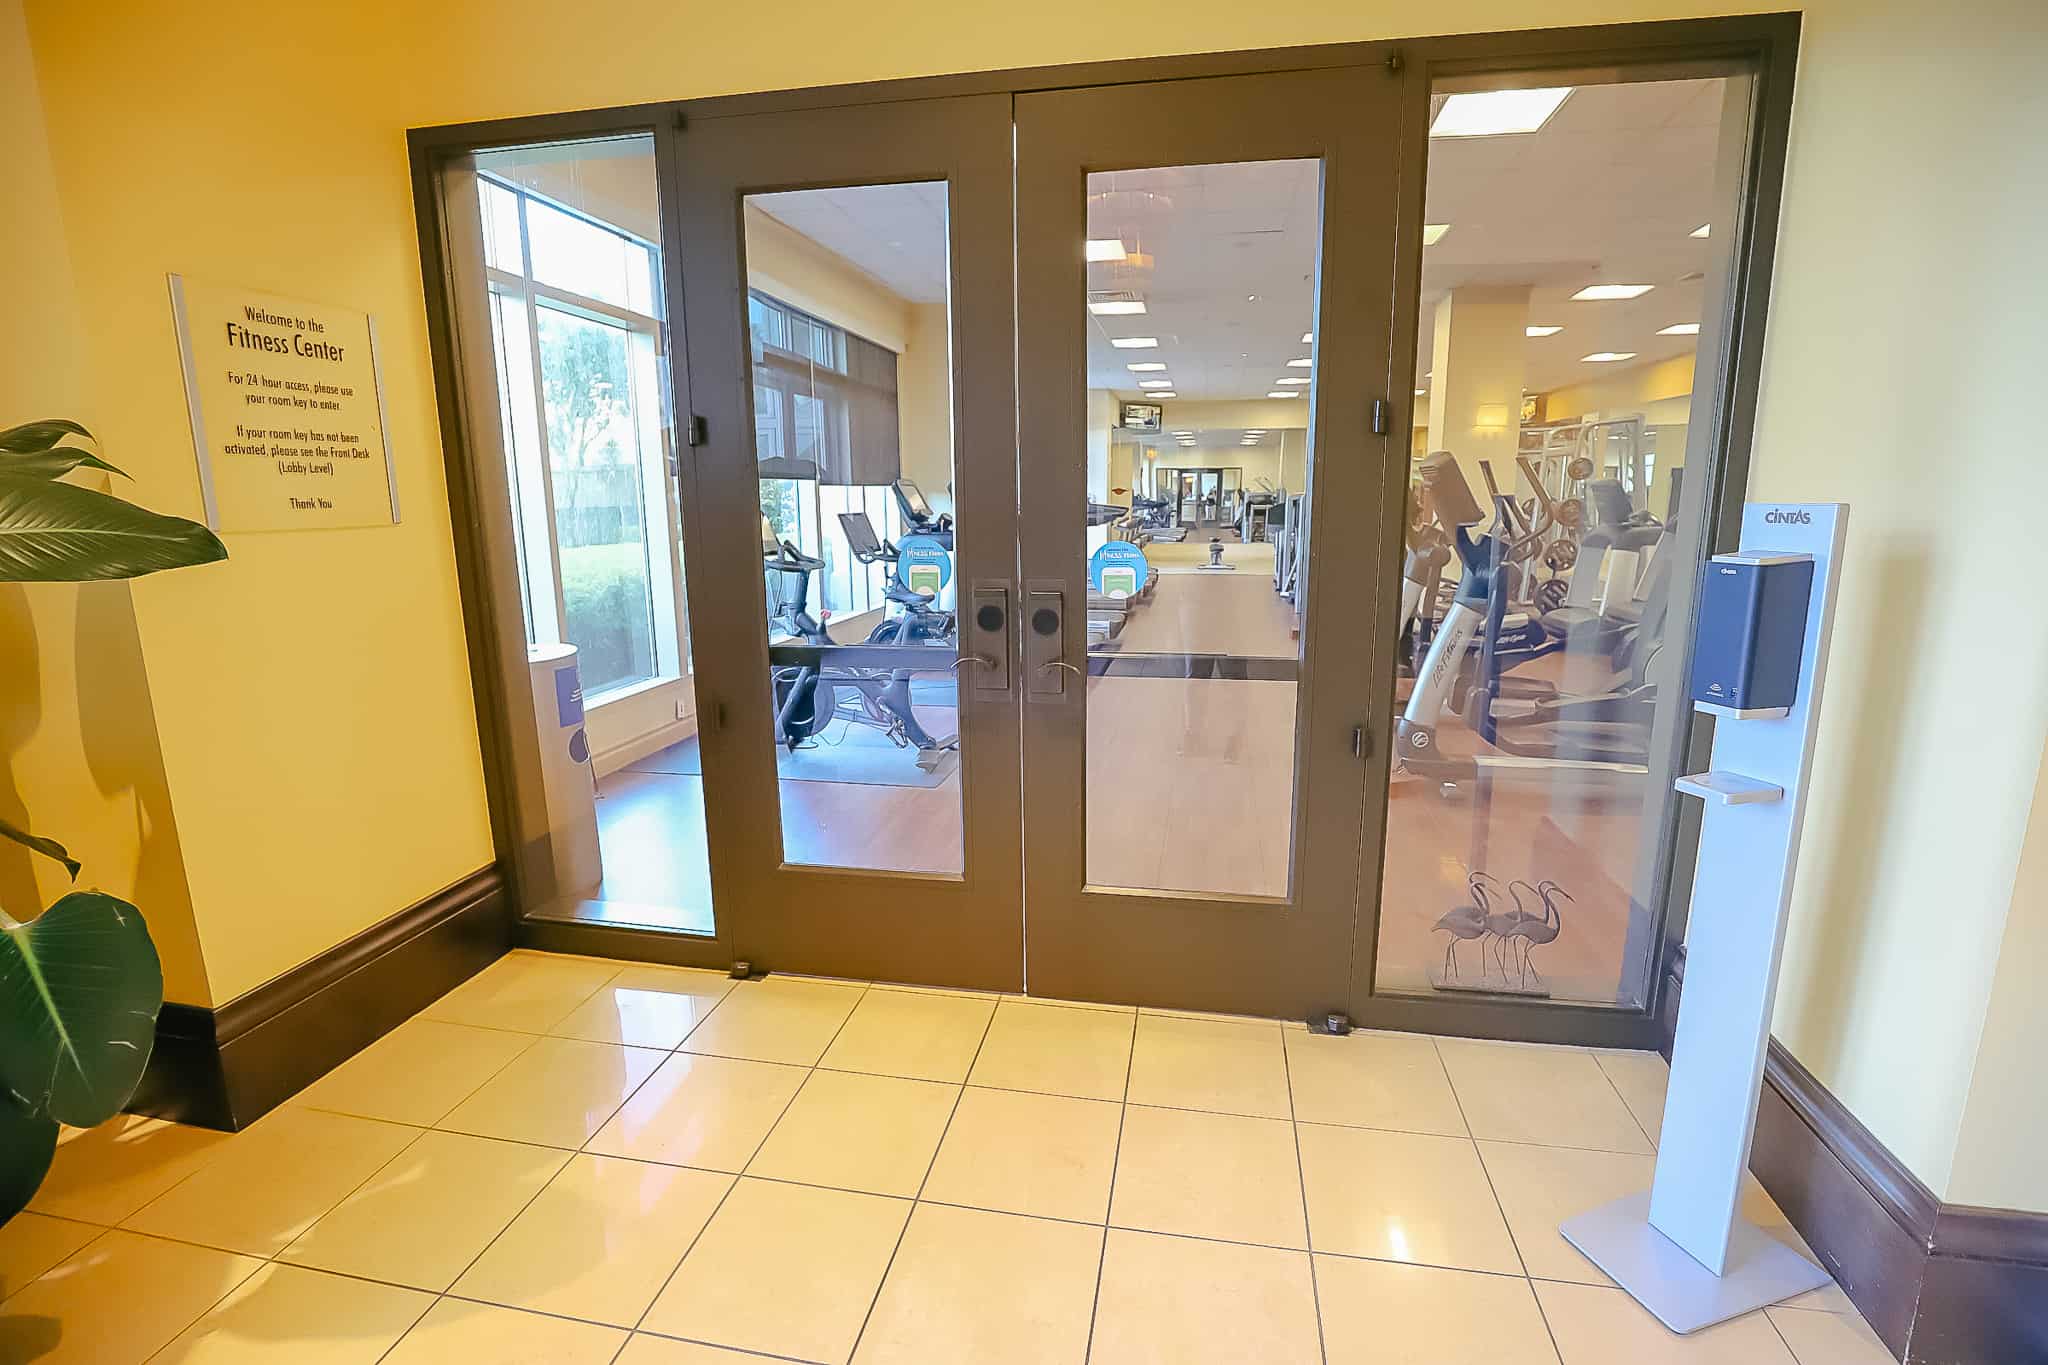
(61, 533)
(30, 436)
(80, 988)
(52, 463)
(27, 1142)
(49, 848)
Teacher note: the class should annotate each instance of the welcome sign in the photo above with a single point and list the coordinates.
(287, 410)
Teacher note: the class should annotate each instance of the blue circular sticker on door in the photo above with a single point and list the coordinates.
(923, 565)
(1118, 569)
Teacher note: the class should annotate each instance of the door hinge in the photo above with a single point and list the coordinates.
(718, 715)
(1379, 416)
(682, 120)
(696, 431)
(1394, 63)
(1361, 742)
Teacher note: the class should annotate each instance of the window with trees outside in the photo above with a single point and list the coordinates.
(577, 326)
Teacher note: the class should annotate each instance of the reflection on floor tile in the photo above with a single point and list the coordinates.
(781, 1019)
(557, 1093)
(1057, 1050)
(647, 1349)
(304, 1316)
(427, 1214)
(1376, 1312)
(528, 991)
(454, 1330)
(985, 1287)
(1020, 1152)
(1514, 1092)
(599, 1241)
(119, 1300)
(1372, 1080)
(106, 1174)
(1190, 1301)
(416, 1073)
(646, 1007)
(1209, 1175)
(1403, 1197)
(784, 1269)
(876, 1134)
(925, 1036)
(701, 1111)
(31, 1244)
(1596, 1326)
(1233, 1067)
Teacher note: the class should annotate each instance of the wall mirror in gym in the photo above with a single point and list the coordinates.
(556, 277)
(1575, 243)
(850, 352)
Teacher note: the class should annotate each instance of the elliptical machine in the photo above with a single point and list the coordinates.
(810, 696)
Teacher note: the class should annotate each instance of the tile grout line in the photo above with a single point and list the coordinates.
(1116, 1157)
(1308, 1235)
(1626, 1107)
(959, 1093)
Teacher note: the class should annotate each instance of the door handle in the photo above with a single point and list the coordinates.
(1045, 640)
(1062, 663)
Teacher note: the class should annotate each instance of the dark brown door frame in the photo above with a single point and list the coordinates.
(1765, 44)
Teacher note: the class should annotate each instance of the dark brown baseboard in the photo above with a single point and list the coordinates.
(226, 1067)
(1941, 1284)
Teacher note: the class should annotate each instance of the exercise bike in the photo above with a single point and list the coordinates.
(810, 696)
(918, 517)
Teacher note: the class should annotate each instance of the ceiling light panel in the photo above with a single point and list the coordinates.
(1542, 331)
(1432, 233)
(1116, 308)
(1594, 293)
(1303, 363)
(1104, 249)
(1134, 343)
(1703, 230)
(1490, 113)
(1283, 393)
(1608, 357)
(1143, 366)
(1680, 329)
(1155, 383)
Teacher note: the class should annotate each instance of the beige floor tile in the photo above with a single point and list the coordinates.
(701, 1111)
(1410, 1197)
(416, 1073)
(1209, 1175)
(781, 1019)
(484, 1334)
(875, 1134)
(1049, 1155)
(1821, 1338)
(273, 1179)
(104, 1174)
(926, 1036)
(424, 1217)
(557, 1093)
(646, 1007)
(31, 1244)
(990, 1288)
(1189, 1302)
(1372, 1080)
(1227, 1066)
(1057, 1050)
(1598, 1326)
(118, 1300)
(309, 1318)
(599, 1241)
(647, 1349)
(528, 991)
(784, 1269)
(1641, 1078)
(1379, 1313)
(961, 992)
(1540, 1187)
(1557, 1096)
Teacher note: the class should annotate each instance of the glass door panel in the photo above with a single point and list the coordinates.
(849, 279)
(1211, 860)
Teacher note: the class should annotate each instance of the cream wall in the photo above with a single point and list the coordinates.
(924, 403)
(312, 695)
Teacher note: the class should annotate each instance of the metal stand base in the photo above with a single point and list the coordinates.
(1664, 1278)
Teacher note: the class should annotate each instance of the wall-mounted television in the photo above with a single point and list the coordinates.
(1145, 417)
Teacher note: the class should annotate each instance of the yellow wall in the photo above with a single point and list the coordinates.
(924, 403)
(312, 694)
(1660, 391)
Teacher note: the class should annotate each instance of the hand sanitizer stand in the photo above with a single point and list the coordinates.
(1681, 1248)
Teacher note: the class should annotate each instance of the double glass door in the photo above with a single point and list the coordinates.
(975, 719)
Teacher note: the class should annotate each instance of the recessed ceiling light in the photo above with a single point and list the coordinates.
(1680, 329)
(1104, 249)
(1595, 292)
(1432, 233)
(1487, 113)
(1183, 433)
(1255, 431)
(1116, 308)
(1545, 331)
(1300, 364)
(1164, 393)
(1155, 383)
(1251, 298)
(1420, 392)
(1283, 393)
(1603, 357)
(1307, 337)
(1291, 381)
(1703, 230)
(1134, 343)
(1144, 365)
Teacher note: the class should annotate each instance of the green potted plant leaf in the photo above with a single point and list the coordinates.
(80, 984)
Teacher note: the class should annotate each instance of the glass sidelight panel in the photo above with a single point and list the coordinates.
(1201, 298)
(1568, 264)
(849, 342)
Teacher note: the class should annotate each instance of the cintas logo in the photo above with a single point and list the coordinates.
(1796, 516)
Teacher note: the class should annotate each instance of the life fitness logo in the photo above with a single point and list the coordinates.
(1795, 517)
